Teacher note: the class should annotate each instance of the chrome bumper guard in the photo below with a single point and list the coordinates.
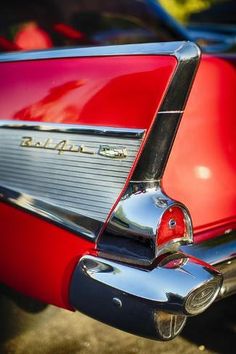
(155, 303)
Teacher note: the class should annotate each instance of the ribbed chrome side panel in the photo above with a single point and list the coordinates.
(75, 184)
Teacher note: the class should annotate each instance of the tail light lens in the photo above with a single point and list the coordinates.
(175, 225)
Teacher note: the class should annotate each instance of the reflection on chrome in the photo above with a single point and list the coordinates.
(132, 231)
(168, 324)
(72, 221)
(152, 303)
(202, 298)
(49, 144)
(72, 128)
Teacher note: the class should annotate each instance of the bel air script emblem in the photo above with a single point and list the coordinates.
(65, 146)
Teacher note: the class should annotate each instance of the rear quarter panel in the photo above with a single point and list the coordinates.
(201, 171)
(36, 257)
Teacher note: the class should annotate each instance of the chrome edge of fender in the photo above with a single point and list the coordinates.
(154, 157)
(164, 48)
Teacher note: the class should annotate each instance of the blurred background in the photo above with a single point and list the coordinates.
(216, 11)
(43, 24)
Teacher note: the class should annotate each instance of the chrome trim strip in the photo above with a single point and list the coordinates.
(169, 112)
(80, 224)
(72, 128)
(228, 269)
(154, 157)
(169, 48)
(214, 251)
(220, 252)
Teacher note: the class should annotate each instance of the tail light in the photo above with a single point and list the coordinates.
(175, 225)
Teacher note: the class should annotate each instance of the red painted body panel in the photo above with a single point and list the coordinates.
(201, 171)
(110, 91)
(36, 257)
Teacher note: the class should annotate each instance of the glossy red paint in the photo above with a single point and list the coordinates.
(110, 91)
(202, 166)
(119, 92)
(167, 234)
(36, 257)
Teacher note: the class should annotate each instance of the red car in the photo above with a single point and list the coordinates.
(117, 167)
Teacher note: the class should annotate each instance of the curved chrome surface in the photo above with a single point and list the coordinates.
(153, 160)
(124, 49)
(70, 174)
(168, 325)
(131, 235)
(221, 253)
(215, 250)
(129, 298)
(73, 129)
(228, 269)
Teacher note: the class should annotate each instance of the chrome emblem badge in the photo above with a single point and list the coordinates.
(65, 146)
(113, 152)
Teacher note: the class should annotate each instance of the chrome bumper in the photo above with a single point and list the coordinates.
(220, 252)
(155, 302)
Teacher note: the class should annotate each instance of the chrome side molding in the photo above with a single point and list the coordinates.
(162, 48)
(150, 303)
